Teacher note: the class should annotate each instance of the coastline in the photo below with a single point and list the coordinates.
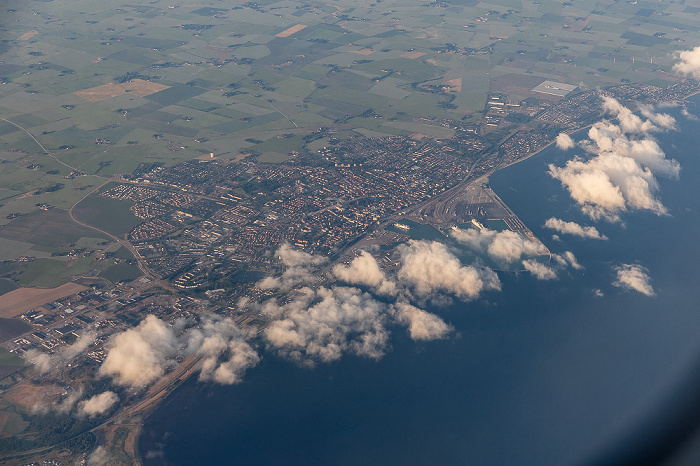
(532, 154)
(142, 409)
(210, 140)
(154, 403)
(530, 320)
(146, 406)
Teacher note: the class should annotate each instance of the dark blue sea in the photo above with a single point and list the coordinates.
(542, 373)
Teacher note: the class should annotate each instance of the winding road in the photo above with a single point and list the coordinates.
(123, 242)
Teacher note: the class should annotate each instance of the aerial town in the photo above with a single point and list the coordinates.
(155, 190)
(205, 242)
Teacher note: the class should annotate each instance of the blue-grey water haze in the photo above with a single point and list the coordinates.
(543, 372)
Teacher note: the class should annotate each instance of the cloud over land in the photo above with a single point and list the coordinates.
(320, 325)
(364, 270)
(139, 356)
(689, 62)
(98, 404)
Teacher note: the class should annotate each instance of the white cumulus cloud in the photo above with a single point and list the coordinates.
(689, 62)
(421, 325)
(565, 259)
(508, 247)
(240, 357)
(662, 120)
(571, 259)
(539, 270)
(224, 349)
(632, 123)
(564, 141)
(503, 246)
(634, 277)
(140, 355)
(624, 160)
(64, 405)
(430, 267)
(300, 268)
(686, 113)
(573, 228)
(98, 404)
(309, 325)
(364, 270)
(43, 362)
(321, 325)
(605, 138)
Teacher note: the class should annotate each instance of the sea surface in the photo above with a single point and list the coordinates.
(544, 373)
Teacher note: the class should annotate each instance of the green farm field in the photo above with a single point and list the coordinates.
(112, 88)
(111, 215)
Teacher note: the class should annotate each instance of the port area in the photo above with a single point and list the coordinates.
(474, 200)
(471, 204)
